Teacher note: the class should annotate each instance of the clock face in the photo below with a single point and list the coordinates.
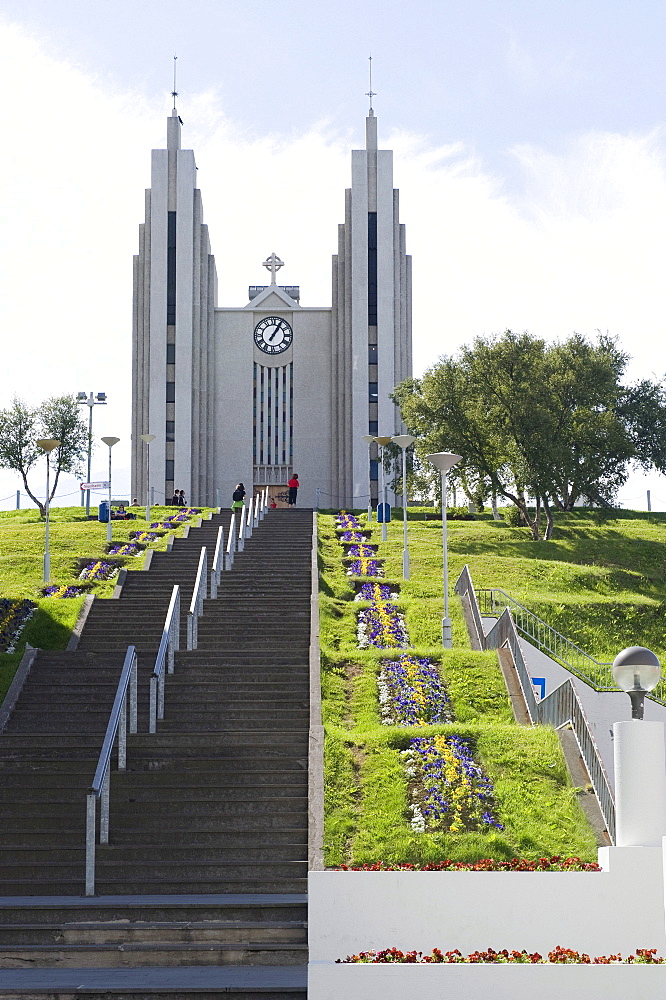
(273, 335)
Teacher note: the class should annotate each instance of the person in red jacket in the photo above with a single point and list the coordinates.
(293, 489)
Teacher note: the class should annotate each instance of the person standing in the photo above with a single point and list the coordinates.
(293, 489)
(237, 498)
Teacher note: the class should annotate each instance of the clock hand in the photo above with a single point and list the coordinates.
(273, 334)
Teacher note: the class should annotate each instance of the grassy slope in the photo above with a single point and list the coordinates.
(594, 573)
(72, 538)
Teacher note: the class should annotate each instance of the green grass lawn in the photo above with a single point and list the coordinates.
(72, 539)
(601, 581)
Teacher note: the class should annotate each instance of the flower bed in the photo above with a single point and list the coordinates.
(14, 616)
(353, 536)
(376, 592)
(411, 692)
(449, 790)
(347, 522)
(361, 552)
(144, 536)
(99, 570)
(383, 626)
(558, 956)
(62, 592)
(555, 864)
(365, 567)
(125, 549)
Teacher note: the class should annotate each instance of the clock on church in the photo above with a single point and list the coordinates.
(273, 335)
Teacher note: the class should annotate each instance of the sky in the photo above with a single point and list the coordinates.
(529, 147)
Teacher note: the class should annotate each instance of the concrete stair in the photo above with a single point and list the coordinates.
(205, 874)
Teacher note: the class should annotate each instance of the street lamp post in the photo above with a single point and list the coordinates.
(443, 461)
(90, 401)
(382, 442)
(47, 445)
(147, 438)
(369, 440)
(636, 670)
(110, 441)
(404, 441)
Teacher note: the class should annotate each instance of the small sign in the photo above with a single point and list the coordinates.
(539, 685)
(94, 486)
(383, 513)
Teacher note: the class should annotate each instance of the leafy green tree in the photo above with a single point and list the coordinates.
(21, 426)
(553, 422)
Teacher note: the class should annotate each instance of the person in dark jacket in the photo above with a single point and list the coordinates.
(237, 498)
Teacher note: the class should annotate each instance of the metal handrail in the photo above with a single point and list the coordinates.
(101, 783)
(562, 707)
(164, 661)
(264, 503)
(256, 516)
(197, 602)
(594, 672)
(218, 562)
(231, 544)
(249, 520)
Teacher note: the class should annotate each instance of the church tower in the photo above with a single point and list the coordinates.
(175, 291)
(371, 321)
(257, 392)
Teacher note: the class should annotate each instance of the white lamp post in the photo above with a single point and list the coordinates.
(47, 445)
(90, 401)
(636, 670)
(382, 442)
(404, 441)
(147, 438)
(443, 461)
(369, 440)
(110, 441)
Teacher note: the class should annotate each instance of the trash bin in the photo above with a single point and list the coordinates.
(103, 514)
(383, 513)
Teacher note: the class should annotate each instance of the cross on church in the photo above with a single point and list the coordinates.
(273, 264)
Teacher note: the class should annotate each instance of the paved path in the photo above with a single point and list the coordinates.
(602, 708)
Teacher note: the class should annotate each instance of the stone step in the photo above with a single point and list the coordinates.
(276, 932)
(167, 954)
(74, 887)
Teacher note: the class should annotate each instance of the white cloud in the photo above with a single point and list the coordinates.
(580, 247)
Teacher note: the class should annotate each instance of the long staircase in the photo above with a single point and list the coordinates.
(201, 889)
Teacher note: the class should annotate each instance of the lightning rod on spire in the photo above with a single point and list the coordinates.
(174, 92)
(371, 93)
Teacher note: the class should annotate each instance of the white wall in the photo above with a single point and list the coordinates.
(616, 910)
(486, 982)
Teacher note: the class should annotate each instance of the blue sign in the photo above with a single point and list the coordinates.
(383, 512)
(540, 684)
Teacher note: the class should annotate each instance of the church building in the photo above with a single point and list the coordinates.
(258, 392)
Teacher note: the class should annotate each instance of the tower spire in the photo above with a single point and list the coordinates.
(370, 93)
(174, 92)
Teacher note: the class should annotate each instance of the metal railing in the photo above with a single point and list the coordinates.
(231, 544)
(197, 602)
(100, 789)
(594, 672)
(240, 543)
(562, 707)
(164, 661)
(218, 563)
(249, 519)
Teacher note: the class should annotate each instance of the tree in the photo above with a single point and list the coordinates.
(21, 426)
(551, 422)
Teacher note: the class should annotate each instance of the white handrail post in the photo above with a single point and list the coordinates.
(104, 808)
(248, 519)
(152, 723)
(122, 736)
(91, 836)
(133, 695)
(241, 530)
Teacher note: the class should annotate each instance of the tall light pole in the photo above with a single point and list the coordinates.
(90, 401)
(369, 440)
(147, 438)
(404, 441)
(47, 445)
(110, 441)
(382, 442)
(443, 461)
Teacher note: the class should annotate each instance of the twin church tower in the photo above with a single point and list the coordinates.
(257, 392)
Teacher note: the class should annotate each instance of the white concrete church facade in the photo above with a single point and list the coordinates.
(257, 392)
